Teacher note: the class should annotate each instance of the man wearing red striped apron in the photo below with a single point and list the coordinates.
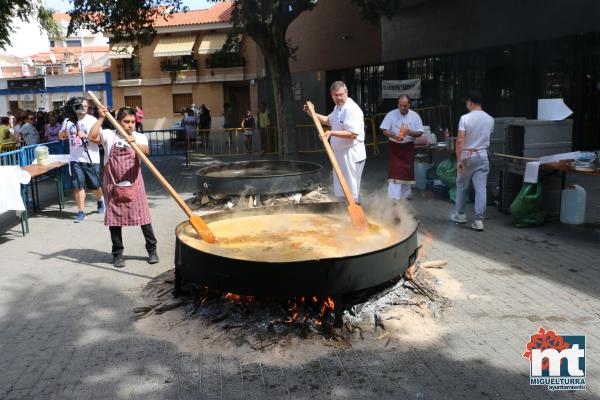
(125, 194)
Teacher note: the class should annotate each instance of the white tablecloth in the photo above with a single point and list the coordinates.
(11, 178)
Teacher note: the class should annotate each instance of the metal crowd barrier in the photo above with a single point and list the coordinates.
(168, 142)
(231, 142)
(11, 157)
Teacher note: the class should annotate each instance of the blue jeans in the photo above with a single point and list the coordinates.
(475, 169)
(85, 174)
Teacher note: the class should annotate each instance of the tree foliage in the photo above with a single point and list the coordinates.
(128, 20)
(26, 11)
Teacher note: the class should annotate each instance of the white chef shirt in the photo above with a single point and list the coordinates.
(394, 119)
(349, 117)
(76, 149)
(478, 126)
(110, 137)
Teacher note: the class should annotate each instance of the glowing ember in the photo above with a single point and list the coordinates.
(237, 298)
(304, 310)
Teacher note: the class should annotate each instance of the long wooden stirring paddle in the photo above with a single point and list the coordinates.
(357, 214)
(197, 223)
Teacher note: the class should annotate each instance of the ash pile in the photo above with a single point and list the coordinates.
(262, 322)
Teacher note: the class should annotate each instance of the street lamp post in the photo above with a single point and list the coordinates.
(82, 65)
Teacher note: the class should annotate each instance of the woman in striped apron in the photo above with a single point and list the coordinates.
(123, 185)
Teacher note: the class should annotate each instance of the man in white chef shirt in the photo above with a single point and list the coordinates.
(347, 137)
(472, 164)
(401, 126)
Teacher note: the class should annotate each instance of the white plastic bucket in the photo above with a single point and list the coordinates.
(572, 205)
(421, 169)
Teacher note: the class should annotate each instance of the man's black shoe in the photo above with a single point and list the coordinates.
(118, 261)
(152, 257)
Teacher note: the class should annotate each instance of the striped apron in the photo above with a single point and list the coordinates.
(401, 162)
(123, 165)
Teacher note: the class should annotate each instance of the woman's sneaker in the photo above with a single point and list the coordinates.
(79, 217)
(477, 225)
(152, 257)
(458, 218)
(118, 261)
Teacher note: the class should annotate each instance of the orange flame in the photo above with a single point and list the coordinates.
(204, 296)
(237, 298)
(328, 304)
(426, 244)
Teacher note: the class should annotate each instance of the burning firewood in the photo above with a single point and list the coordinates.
(261, 323)
(434, 264)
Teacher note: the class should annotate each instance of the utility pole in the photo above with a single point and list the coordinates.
(82, 66)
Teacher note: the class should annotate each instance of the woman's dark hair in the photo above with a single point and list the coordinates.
(124, 112)
(190, 112)
(4, 121)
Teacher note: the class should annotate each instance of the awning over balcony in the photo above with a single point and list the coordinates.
(172, 46)
(121, 50)
(212, 42)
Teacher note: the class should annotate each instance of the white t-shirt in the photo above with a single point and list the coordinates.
(394, 119)
(76, 149)
(11, 178)
(478, 126)
(110, 137)
(349, 117)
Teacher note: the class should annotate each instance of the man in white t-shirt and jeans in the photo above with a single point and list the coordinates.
(84, 155)
(472, 163)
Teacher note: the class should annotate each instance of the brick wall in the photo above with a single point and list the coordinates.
(333, 36)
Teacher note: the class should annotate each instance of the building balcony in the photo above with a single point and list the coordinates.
(188, 65)
(130, 73)
(224, 60)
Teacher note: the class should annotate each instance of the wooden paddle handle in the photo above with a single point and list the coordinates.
(146, 160)
(311, 111)
(516, 157)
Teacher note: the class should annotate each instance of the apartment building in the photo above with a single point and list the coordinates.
(42, 74)
(184, 65)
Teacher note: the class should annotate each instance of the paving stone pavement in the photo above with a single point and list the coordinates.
(66, 330)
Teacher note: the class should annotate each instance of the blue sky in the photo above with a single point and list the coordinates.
(65, 5)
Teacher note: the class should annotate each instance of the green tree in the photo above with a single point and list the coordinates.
(26, 11)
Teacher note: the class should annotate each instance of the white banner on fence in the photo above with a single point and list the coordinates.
(394, 89)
